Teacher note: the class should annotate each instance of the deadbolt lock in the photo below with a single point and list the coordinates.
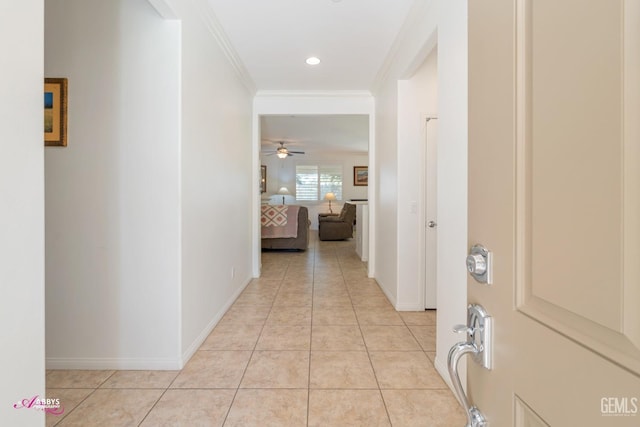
(479, 264)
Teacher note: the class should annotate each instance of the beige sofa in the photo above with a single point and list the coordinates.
(300, 242)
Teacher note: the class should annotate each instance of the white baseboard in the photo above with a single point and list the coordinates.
(443, 370)
(195, 345)
(121, 364)
(410, 307)
(390, 297)
(152, 364)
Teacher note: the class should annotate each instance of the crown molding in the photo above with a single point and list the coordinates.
(164, 9)
(413, 18)
(212, 23)
(313, 94)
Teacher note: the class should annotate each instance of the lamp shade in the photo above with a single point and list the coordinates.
(329, 196)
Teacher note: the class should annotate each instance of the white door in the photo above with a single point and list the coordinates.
(554, 193)
(431, 209)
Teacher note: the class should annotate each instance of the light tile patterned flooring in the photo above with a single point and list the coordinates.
(313, 342)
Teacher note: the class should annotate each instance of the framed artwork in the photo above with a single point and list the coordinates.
(263, 179)
(55, 112)
(361, 175)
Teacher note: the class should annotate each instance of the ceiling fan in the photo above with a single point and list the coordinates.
(283, 152)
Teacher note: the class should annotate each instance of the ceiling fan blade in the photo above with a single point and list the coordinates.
(297, 152)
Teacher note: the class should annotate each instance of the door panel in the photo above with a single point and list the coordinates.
(431, 210)
(565, 123)
(554, 193)
(525, 417)
(631, 174)
(570, 143)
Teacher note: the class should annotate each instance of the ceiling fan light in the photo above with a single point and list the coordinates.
(282, 152)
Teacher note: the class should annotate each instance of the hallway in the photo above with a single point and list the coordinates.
(313, 342)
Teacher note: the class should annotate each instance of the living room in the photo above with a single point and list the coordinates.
(337, 144)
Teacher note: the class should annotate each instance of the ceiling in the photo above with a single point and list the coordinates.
(316, 134)
(271, 40)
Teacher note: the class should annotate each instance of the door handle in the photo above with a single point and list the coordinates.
(432, 224)
(479, 330)
(478, 344)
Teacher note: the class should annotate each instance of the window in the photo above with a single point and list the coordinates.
(306, 182)
(313, 182)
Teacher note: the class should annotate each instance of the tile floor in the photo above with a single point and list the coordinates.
(313, 342)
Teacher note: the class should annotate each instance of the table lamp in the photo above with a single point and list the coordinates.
(330, 197)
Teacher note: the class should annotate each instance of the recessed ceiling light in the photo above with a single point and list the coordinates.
(313, 60)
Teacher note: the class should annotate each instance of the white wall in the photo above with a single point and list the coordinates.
(21, 211)
(394, 165)
(282, 172)
(386, 195)
(112, 195)
(216, 179)
(452, 175)
(443, 21)
(417, 99)
(148, 208)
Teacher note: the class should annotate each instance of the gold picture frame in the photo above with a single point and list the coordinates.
(55, 112)
(361, 176)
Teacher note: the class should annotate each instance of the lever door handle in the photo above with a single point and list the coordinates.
(478, 345)
(463, 329)
(475, 418)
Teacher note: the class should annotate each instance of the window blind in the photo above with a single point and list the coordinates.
(331, 181)
(306, 182)
(313, 181)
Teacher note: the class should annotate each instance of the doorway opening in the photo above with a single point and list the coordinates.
(333, 145)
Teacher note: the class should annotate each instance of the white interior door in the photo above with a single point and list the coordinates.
(431, 210)
(554, 193)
